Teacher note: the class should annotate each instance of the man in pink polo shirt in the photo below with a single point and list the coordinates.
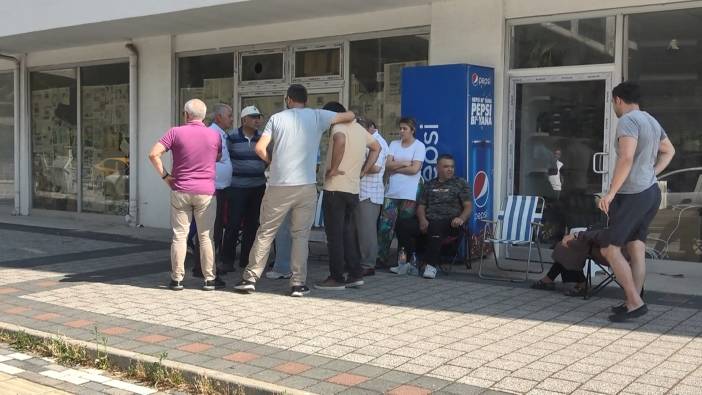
(195, 150)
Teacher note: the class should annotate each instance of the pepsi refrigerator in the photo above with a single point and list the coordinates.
(453, 106)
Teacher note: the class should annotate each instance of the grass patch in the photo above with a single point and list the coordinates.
(154, 374)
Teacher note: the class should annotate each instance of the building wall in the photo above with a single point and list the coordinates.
(482, 44)
(55, 14)
(530, 8)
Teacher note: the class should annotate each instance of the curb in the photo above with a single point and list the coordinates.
(123, 359)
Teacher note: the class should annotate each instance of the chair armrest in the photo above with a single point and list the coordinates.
(487, 221)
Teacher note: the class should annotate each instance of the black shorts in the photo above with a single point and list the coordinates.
(630, 216)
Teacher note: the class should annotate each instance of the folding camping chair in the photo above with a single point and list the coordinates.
(518, 224)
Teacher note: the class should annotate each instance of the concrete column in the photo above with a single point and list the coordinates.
(156, 71)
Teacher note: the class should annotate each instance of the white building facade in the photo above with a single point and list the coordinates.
(86, 88)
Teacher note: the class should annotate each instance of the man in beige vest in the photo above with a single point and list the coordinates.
(345, 165)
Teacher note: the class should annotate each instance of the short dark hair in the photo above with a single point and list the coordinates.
(297, 93)
(409, 121)
(334, 106)
(628, 91)
(445, 156)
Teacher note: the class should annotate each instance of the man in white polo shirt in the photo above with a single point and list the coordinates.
(295, 135)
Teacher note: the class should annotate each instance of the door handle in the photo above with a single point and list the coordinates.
(601, 170)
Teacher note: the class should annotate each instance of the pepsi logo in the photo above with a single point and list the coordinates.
(477, 80)
(481, 189)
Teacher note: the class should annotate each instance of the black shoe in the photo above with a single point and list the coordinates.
(245, 286)
(618, 309)
(299, 291)
(354, 282)
(175, 285)
(624, 316)
(368, 271)
(331, 285)
(211, 285)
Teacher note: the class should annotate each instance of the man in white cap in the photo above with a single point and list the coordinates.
(247, 188)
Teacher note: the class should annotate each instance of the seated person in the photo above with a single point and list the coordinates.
(443, 207)
(569, 260)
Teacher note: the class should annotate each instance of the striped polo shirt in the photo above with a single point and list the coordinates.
(248, 168)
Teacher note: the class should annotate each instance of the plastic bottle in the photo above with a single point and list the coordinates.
(401, 257)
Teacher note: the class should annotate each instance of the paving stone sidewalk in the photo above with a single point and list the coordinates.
(24, 374)
(397, 334)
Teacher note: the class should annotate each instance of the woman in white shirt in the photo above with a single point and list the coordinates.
(404, 165)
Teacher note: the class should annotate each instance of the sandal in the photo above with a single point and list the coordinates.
(543, 286)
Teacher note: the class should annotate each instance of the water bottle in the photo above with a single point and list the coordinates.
(401, 257)
(414, 267)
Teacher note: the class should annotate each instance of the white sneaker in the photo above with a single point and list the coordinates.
(400, 269)
(277, 276)
(429, 272)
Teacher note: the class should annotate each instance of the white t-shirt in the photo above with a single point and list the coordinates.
(295, 136)
(403, 186)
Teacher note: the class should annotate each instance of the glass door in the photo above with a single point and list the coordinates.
(559, 147)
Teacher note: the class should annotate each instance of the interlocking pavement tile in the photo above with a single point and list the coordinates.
(115, 330)
(515, 384)
(79, 323)
(241, 357)
(450, 372)
(8, 290)
(409, 390)
(152, 338)
(414, 368)
(398, 377)
(683, 389)
(572, 376)
(17, 310)
(298, 382)
(603, 387)
(645, 389)
(347, 379)
(195, 347)
(9, 369)
(491, 374)
(326, 388)
(563, 386)
(462, 389)
(389, 361)
(46, 316)
(19, 356)
(319, 373)
(475, 381)
(292, 367)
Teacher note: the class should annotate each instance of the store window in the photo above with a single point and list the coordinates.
(208, 77)
(563, 43)
(7, 138)
(664, 54)
(105, 138)
(54, 134)
(375, 71)
(318, 63)
(262, 67)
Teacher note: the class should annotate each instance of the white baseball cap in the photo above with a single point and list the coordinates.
(250, 110)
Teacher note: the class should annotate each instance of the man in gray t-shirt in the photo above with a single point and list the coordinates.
(643, 151)
(295, 135)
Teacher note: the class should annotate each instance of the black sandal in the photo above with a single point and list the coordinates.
(543, 286)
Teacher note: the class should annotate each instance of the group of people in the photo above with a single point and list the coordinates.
(371, 192)
(262, 185)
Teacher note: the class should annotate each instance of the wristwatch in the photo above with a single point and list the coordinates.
(165, 175)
